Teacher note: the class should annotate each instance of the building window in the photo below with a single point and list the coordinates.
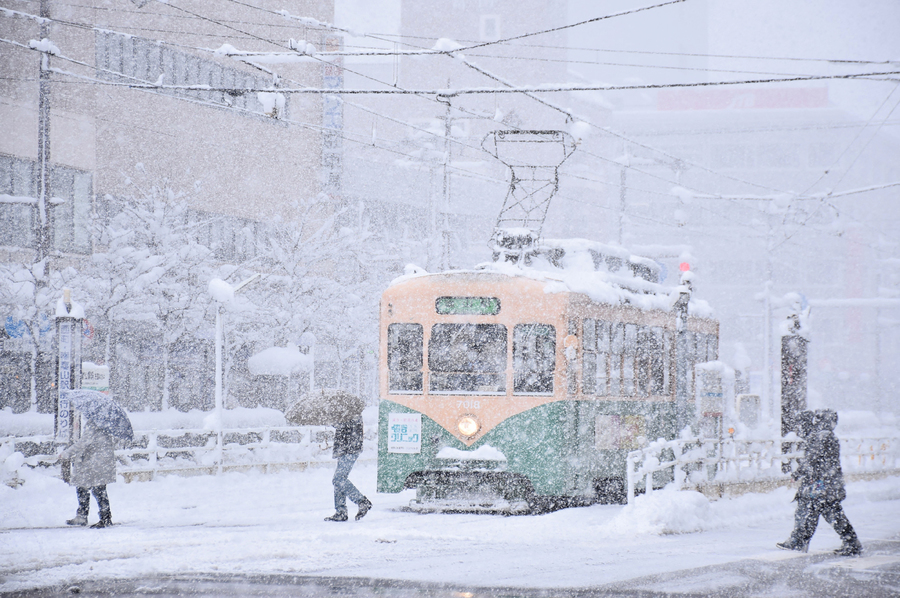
(147, 60)
(489, 28)
(70, 220)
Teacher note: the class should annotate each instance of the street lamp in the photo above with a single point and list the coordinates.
(223, 293)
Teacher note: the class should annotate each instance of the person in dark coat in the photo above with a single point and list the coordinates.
(348, 441)
(93, 462)
(821, 485)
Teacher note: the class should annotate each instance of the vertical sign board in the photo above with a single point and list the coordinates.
(69, 349)
(332, 118)
(63, 412)
(404, 432)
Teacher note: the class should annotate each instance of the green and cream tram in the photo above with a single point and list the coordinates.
(515, 389)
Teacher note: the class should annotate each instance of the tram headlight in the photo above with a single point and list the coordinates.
(468, 425)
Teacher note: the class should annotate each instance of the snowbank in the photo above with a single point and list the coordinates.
(484, 452)
(279, 361)
(239, 417)
(25, 424)
(257, 524)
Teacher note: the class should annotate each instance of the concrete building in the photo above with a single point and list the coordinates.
(114, 105)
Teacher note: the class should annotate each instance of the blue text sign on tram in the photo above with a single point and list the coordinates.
(404, 432)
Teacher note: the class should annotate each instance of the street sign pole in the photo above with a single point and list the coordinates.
(69, 318)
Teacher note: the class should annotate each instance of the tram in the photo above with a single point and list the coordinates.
(521, 388)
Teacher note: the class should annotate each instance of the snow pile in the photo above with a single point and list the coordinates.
(302, 46)
(483, 453)
(25, 424)
(605, 273)
(665, 512)
(220, 290)
(227, 50)
(237, 418)
(580, 130)
(45, 45)
(272, 103)
(279, 361)
(446, 45)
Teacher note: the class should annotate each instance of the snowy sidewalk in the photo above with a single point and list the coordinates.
(257, 525)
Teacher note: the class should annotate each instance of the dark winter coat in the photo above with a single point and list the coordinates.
(93, 458)
(348, 438)
(819, 471)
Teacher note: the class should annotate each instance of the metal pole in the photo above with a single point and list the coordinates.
(767, 351)
(445, 257)
(42, 222)
(682, 373)
(219, 335)
(622, 177)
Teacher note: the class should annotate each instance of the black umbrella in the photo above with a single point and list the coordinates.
(102, 411)
(325, 408)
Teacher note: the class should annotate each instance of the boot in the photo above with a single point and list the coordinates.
(337, 517)
(104, 522)
(850, 548)
(77, 520)
(791, 545)
(364, 505)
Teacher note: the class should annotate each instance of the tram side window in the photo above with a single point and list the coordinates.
(642, 361)
(596, 357)
(630, 352)
(712, 347)
(664, 365)
(405, 357)
(616, 350)
(534, 358)
(467, 358)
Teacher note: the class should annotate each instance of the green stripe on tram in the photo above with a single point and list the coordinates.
(553, 445)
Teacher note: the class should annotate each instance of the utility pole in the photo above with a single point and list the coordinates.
(622, 177)
(42, 222)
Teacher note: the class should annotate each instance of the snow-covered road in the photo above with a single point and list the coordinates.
(255, 524)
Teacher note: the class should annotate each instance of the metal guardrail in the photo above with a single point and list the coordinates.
(201, 451)
(703, 463)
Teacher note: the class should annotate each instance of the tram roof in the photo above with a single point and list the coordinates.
(605, 274)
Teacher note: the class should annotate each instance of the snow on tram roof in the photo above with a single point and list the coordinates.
(605, 273)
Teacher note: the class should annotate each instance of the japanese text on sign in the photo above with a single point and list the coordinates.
(404, 432)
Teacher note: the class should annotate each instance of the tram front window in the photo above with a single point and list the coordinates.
(534, 358)
(467, 358)
(404, 356)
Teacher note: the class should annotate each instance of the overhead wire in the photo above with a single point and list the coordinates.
(329, 91)
(650, 52)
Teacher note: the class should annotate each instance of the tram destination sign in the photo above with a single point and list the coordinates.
(467, 306)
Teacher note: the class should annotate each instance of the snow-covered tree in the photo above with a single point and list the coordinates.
(31, 296)
(151, 267)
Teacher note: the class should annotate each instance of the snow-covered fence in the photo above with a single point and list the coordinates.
(203, 451)
(717, 466)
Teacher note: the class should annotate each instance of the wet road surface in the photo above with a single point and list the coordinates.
(876, 574)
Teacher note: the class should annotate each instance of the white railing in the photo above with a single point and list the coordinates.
(701, 463)
(204, 451)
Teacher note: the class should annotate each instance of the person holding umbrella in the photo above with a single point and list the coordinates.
(343, 411)
(92, 457)
(348, 442)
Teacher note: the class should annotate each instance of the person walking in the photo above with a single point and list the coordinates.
(93, 463)
(348, 441)
(821, 485)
